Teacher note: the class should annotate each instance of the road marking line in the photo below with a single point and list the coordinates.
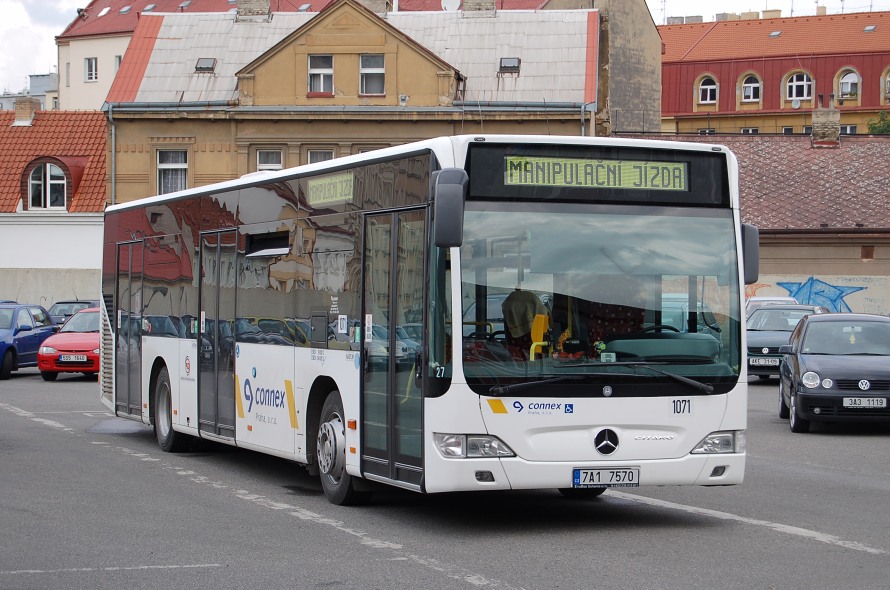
(776, 526)
(68, 570)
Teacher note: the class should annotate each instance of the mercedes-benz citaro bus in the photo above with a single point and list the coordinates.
(534, 270)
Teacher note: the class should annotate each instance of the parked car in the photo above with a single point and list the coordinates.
(835, 367)
(769, 327)
(759, 301)
(62, 310)
(23, 328)
(74, 348)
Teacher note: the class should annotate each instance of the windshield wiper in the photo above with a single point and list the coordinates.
(504, 389)
(680, 378)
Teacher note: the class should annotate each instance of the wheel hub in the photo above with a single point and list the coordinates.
(331, 448)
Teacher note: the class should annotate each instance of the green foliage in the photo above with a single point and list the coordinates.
(881, 126)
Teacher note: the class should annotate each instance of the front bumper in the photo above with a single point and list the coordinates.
(829, 407)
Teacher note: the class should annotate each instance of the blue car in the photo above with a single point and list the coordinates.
(23, 328)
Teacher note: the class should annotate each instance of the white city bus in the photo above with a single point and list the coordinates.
(462, 313)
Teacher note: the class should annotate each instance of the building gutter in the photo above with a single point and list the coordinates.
(113, 154)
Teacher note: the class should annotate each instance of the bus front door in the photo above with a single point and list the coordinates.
(392, 396)
(216, 378)
(128, 344)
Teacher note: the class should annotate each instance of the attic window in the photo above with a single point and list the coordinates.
(125, 10)
(104, 11)
(509, 65)
(149, 7)
(184, 5)
(775, 34)
(205, 64)
(870, 28)
(304, 7)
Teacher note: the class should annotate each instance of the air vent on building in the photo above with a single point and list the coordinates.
(509, 65)
(205, 64)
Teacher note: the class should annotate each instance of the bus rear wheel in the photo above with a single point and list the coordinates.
(169, 440)
(339, 487)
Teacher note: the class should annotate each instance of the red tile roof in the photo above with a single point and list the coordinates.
(798, 36)
(787, 185)
(89, 22)
(436, 5)
(129, 77)
(77, 138)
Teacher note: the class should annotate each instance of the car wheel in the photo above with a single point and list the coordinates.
(6, 365)
(169, 440)
(339, 487)
(797, 423)
(48, 375)
(763, 377)
(582, 493)
(783, 407)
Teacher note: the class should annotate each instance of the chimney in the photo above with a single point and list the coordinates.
(479, 5)
(25, 108)
(771, 14)
(379, 7)
(826, 125)
(254, 8)
(821, 10)
(692, 20)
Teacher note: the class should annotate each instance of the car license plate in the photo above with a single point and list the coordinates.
(73, 358)
(865, 402)
(619, 477)
(758, 362)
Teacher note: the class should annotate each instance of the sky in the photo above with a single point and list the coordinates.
(28, 27)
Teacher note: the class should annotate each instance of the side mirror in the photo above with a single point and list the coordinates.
(21, 329)
(786, 349)
(449, 194)
(750, 253)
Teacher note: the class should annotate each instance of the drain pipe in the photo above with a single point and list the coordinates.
(592, 110)
(113, 154)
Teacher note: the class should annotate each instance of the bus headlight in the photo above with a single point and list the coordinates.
(471, 446)
(729, 441)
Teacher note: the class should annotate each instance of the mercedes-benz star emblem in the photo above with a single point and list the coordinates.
(864, 385)
(605, 442)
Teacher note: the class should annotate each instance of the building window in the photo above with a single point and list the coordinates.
(320, 156)
(67, 74)
(848, 129)
(788, 130)
(887, 85)
(707, 131)
(849, 86)
(269, 160)
(91, 69)
(751, 89)
(47, 187)
(321, 74)
(799, 86)
(172, 170)
(750, 130)
(372, 74)
(707, 91)
(808, 129)
(117, 62)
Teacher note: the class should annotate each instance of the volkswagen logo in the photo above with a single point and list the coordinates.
(764, 350)
(605, 442)
(864, 385)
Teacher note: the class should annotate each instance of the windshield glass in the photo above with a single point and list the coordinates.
(599, 295)
(87, 321)
(775, 320)
(847, 337)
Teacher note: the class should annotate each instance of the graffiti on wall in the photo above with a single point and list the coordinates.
(837, 293)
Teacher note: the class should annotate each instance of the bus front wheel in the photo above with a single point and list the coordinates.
(339, 487)
(169, 440)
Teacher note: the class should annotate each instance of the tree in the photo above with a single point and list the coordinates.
(881, 126)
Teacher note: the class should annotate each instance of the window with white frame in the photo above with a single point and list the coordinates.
(788, 130)
(799, 86)
(849, 85)
(320, 155)
(47, 187)
(707, 90)
(269, 160)
(90, 69)
(172, 170)
(750, 130)
(321, 74)
(707, 131)
(808, 129)
(372, 73)
(751, 89)
(887, 85)
(848, 129)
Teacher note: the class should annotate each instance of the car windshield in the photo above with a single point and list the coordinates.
(6, 318)
(855, 337)
(68, 307)
(775, 320)
(86, 321)
(585, 290)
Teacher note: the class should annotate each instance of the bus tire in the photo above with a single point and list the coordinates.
(582, 493)
(338, 486)
(6, 366)
(169, 440)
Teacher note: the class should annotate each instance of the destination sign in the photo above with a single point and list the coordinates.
(605, 174)
(334, 188)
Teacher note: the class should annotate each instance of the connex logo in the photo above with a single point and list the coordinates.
(263, 396)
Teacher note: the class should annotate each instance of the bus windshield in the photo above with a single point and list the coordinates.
(599, 294)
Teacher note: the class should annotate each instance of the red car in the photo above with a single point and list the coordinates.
(73, 349)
